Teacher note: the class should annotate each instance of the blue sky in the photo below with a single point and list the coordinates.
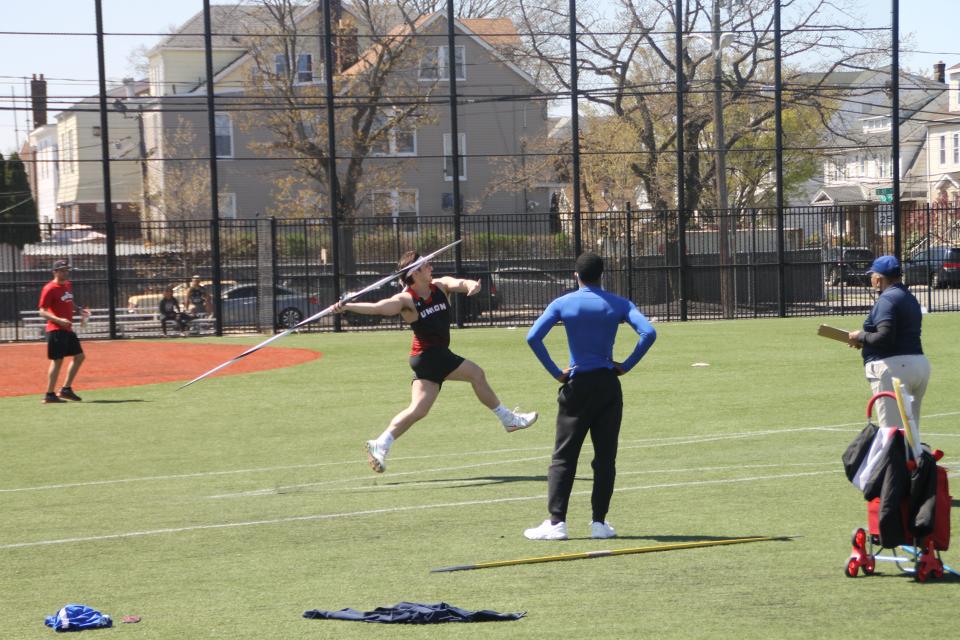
(69, 62)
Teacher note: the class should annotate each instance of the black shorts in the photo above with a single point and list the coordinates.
(61, 344)
(435, 364)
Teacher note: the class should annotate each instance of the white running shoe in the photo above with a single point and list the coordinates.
(376, 456)
(547, 531)
(602, 530)
(517, 420)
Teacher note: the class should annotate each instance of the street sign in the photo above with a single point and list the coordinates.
(884, 194)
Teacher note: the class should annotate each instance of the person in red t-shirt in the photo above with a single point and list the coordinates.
(424, 305)
(56, 305)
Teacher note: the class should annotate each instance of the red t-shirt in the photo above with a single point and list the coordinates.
(58, 299)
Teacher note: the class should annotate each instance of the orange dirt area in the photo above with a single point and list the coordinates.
(120, 363)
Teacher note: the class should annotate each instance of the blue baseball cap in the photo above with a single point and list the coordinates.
(887, 266)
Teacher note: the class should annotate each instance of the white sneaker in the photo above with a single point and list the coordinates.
(547, 531)
(602, 530)
(376, 456)
(517, 420)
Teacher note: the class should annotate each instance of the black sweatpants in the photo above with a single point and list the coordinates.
(591, 401)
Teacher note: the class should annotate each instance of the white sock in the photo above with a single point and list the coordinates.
(503, 413)
(386, 440)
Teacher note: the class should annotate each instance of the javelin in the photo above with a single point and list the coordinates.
(603, 554)
(347, 297)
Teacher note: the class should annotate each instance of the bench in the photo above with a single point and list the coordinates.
(128, 324)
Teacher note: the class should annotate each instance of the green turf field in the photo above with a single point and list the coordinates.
(227, 509)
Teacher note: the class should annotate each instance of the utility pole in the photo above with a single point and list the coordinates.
(145, 213)
(16, 126)
(727, 275)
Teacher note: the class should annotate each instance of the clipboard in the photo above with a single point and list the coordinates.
(840, 335)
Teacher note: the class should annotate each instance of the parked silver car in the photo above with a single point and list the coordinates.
(519, 287)
(241, 306)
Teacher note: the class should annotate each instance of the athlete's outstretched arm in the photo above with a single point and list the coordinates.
(391, 306)
(458, 285)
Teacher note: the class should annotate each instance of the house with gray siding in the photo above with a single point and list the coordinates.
(407, 171)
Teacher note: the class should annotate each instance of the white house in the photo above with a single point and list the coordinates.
(943, 147)
(46, 175)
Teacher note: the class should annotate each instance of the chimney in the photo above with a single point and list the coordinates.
(38, 99)
(129, 87)
(940, 72)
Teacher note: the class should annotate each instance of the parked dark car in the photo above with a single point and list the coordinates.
(487, 300)
(936, 266)
(848, 266)
(241, 305)
(519, 287)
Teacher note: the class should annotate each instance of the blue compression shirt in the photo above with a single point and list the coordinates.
(591, 317)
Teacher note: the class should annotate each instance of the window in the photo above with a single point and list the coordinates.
(400, 204)
(400, 140)
(881, 167)
(435, 63)
(448, 156)
(223, 128)
(862, 159)
(839, 172)
(305, 67)
(956, 148)
(227, 205)
(943, 149)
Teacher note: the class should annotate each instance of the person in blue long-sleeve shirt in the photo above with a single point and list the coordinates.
(590, 399)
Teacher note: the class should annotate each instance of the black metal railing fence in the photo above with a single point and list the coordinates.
(268, 266)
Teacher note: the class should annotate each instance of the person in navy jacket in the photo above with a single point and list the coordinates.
(890, 342)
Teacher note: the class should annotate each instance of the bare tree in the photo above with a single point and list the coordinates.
(628, 73)
(378, 98)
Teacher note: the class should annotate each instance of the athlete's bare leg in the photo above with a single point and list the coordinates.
(472, 373)
(52, 372)
(74, 368)
(423, 395)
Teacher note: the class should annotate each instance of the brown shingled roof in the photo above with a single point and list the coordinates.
(497, 32)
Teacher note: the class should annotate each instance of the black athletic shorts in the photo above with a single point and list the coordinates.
(435, 364)
(62, 343)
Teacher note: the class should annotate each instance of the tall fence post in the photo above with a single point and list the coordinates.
(107, 196)
(927, 236)
(895, 127)
(326, 40)
(214, 180)
(575, 129)
(629, 237)
(778, 134)
(681, 177)
(454, 149)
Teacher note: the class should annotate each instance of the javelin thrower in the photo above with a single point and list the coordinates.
(331, 309)
(425, 306)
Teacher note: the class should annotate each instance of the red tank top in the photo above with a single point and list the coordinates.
(432, 326)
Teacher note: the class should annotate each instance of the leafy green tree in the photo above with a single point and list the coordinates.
(16, 204)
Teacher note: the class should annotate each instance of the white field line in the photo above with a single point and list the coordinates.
(365, 479)
(625, 444)
(480, 481)
(663, 442)
(368, 512)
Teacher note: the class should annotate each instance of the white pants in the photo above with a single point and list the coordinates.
(913, 372)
